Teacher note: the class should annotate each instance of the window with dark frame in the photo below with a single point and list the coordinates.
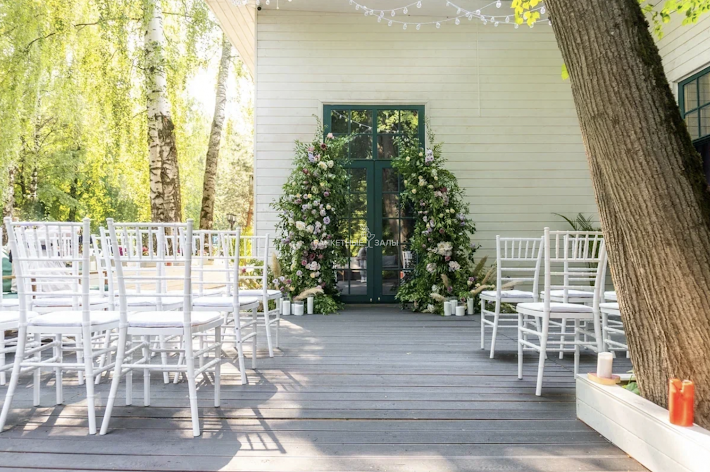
(694, 98)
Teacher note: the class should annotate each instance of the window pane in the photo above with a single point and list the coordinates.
(704, 83)
(704, 121)
(390, 256)
(343, 277)
(358, 180)
(410, 121)
(386, 146)
(361, 121)
(691, 120)
(690, 92)
(358, 206)
(339, 121)
(390, 205)
(407, 229)
(388, 121)
(361, 147)
(390, 282)
(359, 232)
(390, 179)
(389, 231)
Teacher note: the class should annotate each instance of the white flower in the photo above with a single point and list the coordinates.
(309, 228)
(331, 164)
(407, 159)
(313, 275)
(300, 225)
(414, 190)
(328, 207)
(430, 308)
(454, 266)
(431, 267)
(434, 288)
(322, 165)
(322, 213)
(443, 249)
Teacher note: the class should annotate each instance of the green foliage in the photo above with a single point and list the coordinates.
(690, 9)
(311, 232)
(580, 222)
(442, 232)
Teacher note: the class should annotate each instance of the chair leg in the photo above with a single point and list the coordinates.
(79, 358)
(278, 328)
(37, 382)
(15, 376)
(255, 319)
(192, 386)
(201, 343)
(543, 350)
(218, 366)
(164, 359)
(496, 318)
(3, 379)
(267, 326)
(562, 337)
(483, 325)
(129, 374)
(520, 346)
(117, 369)
(240, 355)
(181, 357)
(89, 370)
(146, 372)
(59, 354)
(102, 359)
(605, 333)
(576, 347)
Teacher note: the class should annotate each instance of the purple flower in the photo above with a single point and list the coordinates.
(449, 289)
(304, 262)
(447, 258)
(326, 220)
(441, 231)
(288, 281)
(326, 194)
(305, 171)
(311, 157)
(299, 273)
(298, 201)
(472, 279)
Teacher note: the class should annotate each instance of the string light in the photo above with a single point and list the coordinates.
(390, 11)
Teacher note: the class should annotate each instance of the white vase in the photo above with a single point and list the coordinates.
(285, 307)
(298, 308)
(309, 306)
(470, 306)
(460, 310)
(447, 308)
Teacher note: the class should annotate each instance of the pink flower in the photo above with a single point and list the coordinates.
(330, 136)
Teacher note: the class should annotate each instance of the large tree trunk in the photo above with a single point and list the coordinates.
(165, 201)
(650, 188)
(212, 159)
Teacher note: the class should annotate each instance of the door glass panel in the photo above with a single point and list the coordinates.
(359, 231)
(362, 121)
(406, 230)
(390, 282)
(343, 281)
(358, 180)
(409, 122)
(361, 147)
(390, 231)
(691, 120)
(339, 121)
(390, 255)
(704, 84)
(358, 205)
(390, 180)
(390, 205)
(386, 146)
(690, 92)
(388, 121)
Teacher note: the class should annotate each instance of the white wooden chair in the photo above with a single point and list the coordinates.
(169, 248)
(576, 257)
(613, 334)
(217, 256)
(253, 268)
(7, 304)
(45, 245)
(517, 259)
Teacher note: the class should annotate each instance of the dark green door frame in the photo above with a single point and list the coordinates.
(371, 150)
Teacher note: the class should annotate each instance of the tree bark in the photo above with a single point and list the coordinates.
(212, 158)
(648, 179)
(165, 199)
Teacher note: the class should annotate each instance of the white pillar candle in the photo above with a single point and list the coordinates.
(447, 308)
(298, 309)
(285, 307)
(605, 361)
(460, 310)
(310, 305)
(470, 306)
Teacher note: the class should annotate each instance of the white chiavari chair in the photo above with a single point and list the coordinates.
(7, 303)
(517, 260)
(570, 258)
(253, 270)
(38, 250)
(613, 333)
(169, 249)
(216, 254)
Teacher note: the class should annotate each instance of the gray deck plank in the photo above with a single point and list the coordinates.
(371, 389)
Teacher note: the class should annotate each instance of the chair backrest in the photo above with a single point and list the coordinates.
(518, 259)
(215, 261)
(47, 255)
(153, 254)
(254, 263)
(574, 260)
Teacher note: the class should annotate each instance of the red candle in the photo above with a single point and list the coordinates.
(681, 399)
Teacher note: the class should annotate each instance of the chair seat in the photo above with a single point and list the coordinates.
(508, 295)
(73, 318)
(10, 303)
(570, 294)
(272, 294)
(611, 296)
(60, 302)
(556, 307)
(223, 303)
(609, 306)
(152, 302)
(170, 319)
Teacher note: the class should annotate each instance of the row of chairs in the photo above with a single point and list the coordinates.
(573, 266)
(168, 297)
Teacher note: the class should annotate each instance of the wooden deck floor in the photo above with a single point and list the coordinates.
(372, 389)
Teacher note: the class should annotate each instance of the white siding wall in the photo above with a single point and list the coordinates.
(685, 49)
(493, 95)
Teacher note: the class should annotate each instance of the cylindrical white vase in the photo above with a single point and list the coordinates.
(447, 308)
(309, 305)
(470, 305)
(461, 310)
(285, 307)
(298, 308)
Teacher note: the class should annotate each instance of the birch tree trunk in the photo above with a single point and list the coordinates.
(165, 200)
(650, 188)
(212, 159)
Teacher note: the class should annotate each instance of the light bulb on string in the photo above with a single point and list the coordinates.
(404, 26)
(543, 10)
(507, 19)
(389, 23)
(419, 4)
(393, 13)
(458, 22)
(495, 24)
(478, 12)
(419, 27)
(498, 3)
(405, 10)
(438, 25)
(379, 19)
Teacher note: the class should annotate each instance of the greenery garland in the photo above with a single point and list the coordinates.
(309, 227)
(441, 242)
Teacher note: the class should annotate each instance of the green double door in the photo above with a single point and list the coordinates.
(379, 229)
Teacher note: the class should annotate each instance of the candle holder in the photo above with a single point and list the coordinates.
(460, 309)
(298, 308)
(681, 402)
(469, 302)
(447, 308)
(614, 380)
(309, 305)
(285, 307)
